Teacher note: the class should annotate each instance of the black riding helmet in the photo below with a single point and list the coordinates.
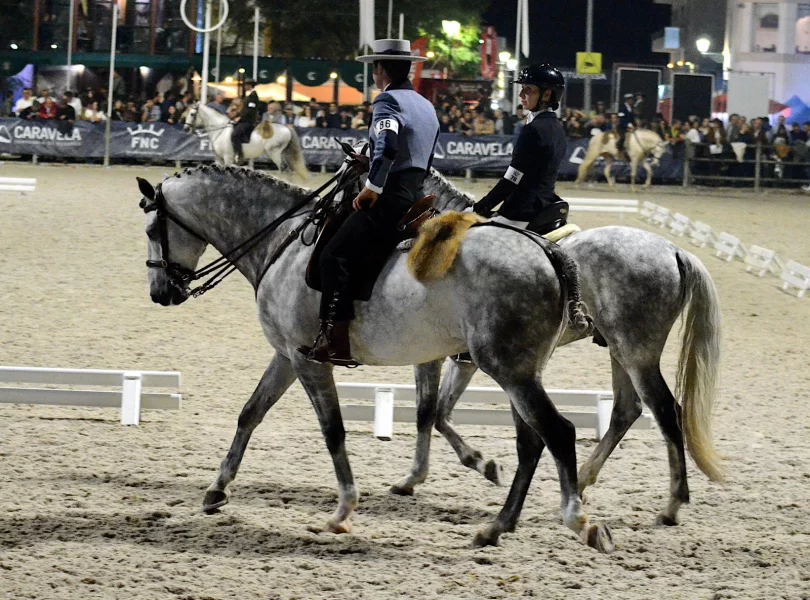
(545, 77)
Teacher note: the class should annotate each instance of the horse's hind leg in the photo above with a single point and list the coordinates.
(275, 381)
(536, 410)
(655, 393)
(610, 180)
(427, 391)
(649, 174)
(626, 409)
(633, 173)
(456, 379)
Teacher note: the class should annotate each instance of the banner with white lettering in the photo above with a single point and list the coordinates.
(159, 141)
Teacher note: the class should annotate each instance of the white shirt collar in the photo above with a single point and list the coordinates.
(533, 114)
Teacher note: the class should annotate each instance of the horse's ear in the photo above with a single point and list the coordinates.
(146, 188)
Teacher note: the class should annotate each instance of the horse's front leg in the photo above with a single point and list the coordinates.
(319, 384)
(427, 395)
(633, 170)
(648, 167)
(275, 381)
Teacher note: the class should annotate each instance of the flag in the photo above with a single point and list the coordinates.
(525, 27)
(366, 23)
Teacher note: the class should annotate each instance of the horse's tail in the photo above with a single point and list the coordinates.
(293, 157)
(696, 383)
(568, 273)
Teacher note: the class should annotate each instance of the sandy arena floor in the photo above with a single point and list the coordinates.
(92, 509)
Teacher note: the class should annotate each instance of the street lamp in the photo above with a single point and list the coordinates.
(504, 56)
(512, 64)
(703, 45)
(451, 28)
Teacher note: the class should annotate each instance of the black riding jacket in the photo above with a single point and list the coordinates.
(528, 185)
(250, 112)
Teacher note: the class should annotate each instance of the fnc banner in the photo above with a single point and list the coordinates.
(320, 147)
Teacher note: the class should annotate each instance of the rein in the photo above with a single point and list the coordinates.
(223, 266)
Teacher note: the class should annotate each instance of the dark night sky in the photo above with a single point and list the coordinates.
(622, 29)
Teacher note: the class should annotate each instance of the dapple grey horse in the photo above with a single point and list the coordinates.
(635, 284)
(503, 300)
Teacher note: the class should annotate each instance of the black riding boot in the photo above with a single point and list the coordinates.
(332, 344)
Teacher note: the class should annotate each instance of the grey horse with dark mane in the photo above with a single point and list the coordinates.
(636, 284)
(505, 298)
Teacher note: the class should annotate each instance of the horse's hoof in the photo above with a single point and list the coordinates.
(663, 520)
(333, 526)
(493, 472)
(401, 490)
(214, 500)
(485, 537)
(601, 538)
(583, 496)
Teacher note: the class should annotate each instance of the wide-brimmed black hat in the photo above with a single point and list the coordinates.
(390, 49)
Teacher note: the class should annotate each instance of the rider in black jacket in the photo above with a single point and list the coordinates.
(246, 121)
(527, 188)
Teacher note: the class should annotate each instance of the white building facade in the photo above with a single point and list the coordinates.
(759, 37)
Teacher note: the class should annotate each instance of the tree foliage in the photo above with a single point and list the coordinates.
(329, 28)
(461, 55)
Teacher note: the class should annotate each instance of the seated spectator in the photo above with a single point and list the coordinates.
(23, 103)
(74, 101)
(118, 111)
(574, 129)
(32, 112)
(693, 132)
(305, 119)
(733, 133)
(172, 117)
(599, 110)
(779, 135)
(503, 124)
(45, 95)
(716, 135)
(47, 109)
(482, 125)
(65, 116)
(520, 120)
(359, 120)
(288, 117)
(597, 125)
(130, 114)
(659, 126)
(151, 112)
(464, 125)
(218, 103)
(760, 136)
(796, 134)
(331, 119)
(94, 115)
(345, 119)
(235, 108)
(704, 127)
(273, 113)
(445, 125)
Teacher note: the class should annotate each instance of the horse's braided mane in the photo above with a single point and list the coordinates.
(235, 172)
(445, 185)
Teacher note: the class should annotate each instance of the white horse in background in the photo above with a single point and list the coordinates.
(639, 144)
(279, 142)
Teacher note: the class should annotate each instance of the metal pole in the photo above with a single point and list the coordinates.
(402, 26)
(256, 45)
(365, 75)
(758, 168)
(588, 48)
(390, 13)
(206, 52)
(219, 44)
(517, 52)
(110, 86)
(70, 44)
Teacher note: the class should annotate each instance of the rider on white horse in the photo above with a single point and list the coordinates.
(246, 121)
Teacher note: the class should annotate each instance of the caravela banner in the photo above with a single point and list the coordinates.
(320, 147)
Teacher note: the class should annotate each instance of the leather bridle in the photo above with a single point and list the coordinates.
(180, 277)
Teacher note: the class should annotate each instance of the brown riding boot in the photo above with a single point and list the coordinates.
(332, 345)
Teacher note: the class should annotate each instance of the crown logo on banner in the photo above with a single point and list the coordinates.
(140, 129)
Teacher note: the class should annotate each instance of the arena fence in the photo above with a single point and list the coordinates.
(384, 413)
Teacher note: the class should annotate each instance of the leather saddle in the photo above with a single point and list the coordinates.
(553, 217)
(408, 227)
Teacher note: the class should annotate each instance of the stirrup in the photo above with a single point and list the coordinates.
(463, 359)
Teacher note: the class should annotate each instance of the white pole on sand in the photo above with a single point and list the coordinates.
(207, 38)
(390, 10)
(517, 52)
(70, 46)
(402, 26)
(110, 86)
(256, 44)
